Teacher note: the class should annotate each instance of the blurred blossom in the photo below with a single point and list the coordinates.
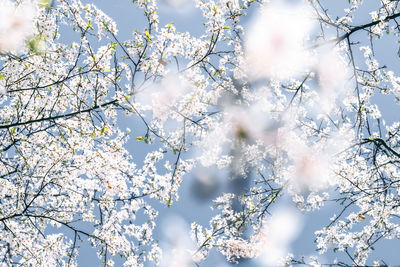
(3, 89)
(177, 243)
(161, 97)
(16, 24)
(240, 127)
(275, 41)
(242, 123)
(274, 239)
(332, 74)
(239, 135)
(309, 166)
(211, 146)
(312, 167)
(250, 123)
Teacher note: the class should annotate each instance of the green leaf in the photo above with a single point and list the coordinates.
(113, 45)
(103, 130)
(139, 138)
(89, 25)
(37, 45)
(148, 36)
(44, 3)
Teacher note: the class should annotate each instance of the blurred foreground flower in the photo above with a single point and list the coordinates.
(161, 97)
(178, 245)
(313, 167)
(16, 24)
(332, 74)
(246, 123)
(274, 239)
(242, 130)
(274, 44)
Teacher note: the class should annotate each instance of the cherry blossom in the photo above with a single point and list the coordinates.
(275, 43)
(16, 25)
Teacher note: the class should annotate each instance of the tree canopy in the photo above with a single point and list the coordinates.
(290, 102)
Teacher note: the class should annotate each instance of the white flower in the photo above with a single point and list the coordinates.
(276, 236)
(332, 72)
(311, 166)
(178, 244)
(16, 24)
(163, 97)
(247, 123)
(3, 89)
(274, 44)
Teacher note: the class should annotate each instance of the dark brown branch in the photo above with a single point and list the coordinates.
(7, 126)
